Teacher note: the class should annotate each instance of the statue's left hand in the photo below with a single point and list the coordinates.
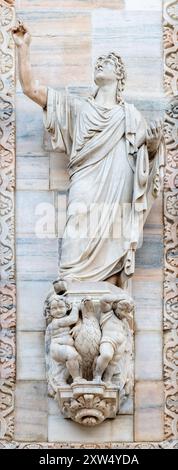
(154, 133)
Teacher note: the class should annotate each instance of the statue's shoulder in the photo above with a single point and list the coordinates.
(75, 101)
(64, 95)
(132, 111)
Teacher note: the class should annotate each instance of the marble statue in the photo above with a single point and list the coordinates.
(114, 337)
(87, 336)
(115, 160)
(61, 346)
(89, 351)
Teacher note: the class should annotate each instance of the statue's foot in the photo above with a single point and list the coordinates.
(79, 380)
(63, 384)
(110, 384)
(98, 380)
(51, 392)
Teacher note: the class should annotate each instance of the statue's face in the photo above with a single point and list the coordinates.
(106, 306)
(105, 71)
(87, 305)
(58, 308)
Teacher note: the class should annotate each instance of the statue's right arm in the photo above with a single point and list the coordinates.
(70, 319)
(30, 87)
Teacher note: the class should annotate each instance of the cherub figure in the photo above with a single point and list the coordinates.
(114, 336)
(64, 360)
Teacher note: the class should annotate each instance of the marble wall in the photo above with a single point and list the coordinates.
(67, 38)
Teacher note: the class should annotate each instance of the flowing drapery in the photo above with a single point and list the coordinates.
(112, 183)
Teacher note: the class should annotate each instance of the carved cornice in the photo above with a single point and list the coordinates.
(7, 286)
(169, 444)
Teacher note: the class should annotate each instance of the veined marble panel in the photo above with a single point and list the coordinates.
(31, 411)
(149, 411)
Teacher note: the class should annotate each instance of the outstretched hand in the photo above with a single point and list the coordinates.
(154, 132)
(21, 34)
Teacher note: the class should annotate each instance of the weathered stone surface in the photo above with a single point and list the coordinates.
(31, 411)
(149, 411)
(30, 307)
(148, 355)
(31, 258)
(155, 217)
(127, 407)
(148, 300)
(32, 172)
(33, 207)
(124, 27)
(145, 5)
(69, 4)
(30, 356)
(29, 126)
(150, 256)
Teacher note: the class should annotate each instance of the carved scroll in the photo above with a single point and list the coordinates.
(170, 219)
(7, 254)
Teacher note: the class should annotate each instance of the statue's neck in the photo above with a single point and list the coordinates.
(106, 95)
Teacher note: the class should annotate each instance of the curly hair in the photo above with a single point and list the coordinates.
(52, 296)
(120, 72)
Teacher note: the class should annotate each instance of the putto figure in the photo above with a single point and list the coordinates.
(114, 166)
(63, 361)
(114, 364)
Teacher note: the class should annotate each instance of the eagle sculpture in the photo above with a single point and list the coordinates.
(87, 336)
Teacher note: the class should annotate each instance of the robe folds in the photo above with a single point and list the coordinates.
(112, 183)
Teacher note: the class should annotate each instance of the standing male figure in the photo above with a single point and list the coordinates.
(114, 163)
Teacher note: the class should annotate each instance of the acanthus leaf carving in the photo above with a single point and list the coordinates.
(6, 62)
(7, 167)
(6, 109)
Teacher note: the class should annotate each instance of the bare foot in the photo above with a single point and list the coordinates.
(79, 380)
(98, 380)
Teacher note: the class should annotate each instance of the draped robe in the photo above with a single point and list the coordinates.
(112, 183)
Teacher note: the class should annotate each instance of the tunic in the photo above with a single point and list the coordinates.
(111, 181)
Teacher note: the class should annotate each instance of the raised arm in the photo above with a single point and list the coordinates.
(71, 319)
(34, 91)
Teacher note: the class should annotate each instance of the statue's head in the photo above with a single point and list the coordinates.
(109, 69)
(87, 305)
(123, 308)
(106, 303)
(58, 307)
